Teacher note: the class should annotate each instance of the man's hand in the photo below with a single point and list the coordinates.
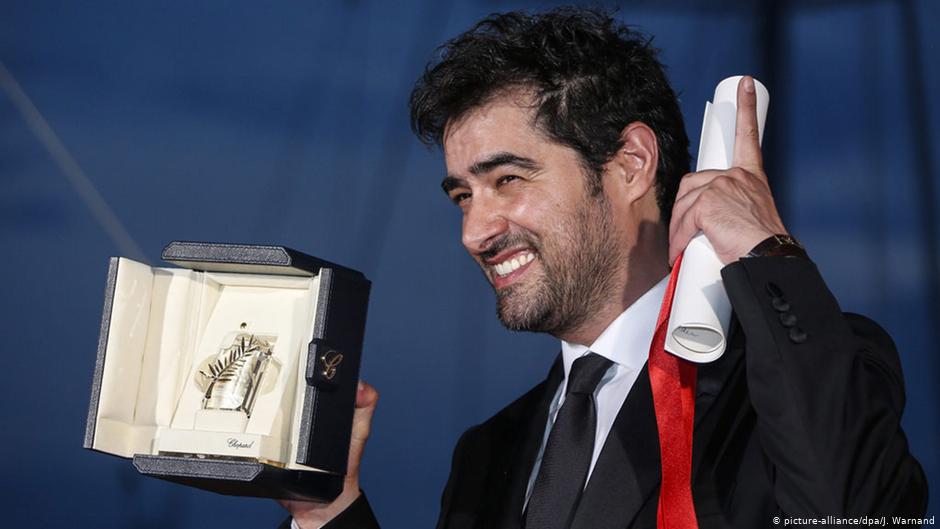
(310, 515)
(734, 208)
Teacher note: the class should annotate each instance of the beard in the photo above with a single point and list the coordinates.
(577, 263)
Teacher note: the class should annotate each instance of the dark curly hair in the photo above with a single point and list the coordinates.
(590, 76)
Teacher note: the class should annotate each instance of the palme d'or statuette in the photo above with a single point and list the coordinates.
(232, 380)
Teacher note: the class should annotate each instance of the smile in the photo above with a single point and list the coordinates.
(511, 265)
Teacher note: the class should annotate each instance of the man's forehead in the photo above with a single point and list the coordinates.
(501, 125)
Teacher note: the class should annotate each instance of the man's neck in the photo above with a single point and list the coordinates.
(641, 280)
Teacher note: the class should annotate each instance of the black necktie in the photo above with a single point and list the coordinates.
(568, 451)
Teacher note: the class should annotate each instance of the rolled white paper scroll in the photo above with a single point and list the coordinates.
(701, 311)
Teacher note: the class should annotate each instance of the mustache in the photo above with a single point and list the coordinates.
(509, 240)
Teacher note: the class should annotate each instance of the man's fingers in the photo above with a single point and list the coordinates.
(685, 230)
(746, 134)
(316, 514)
(693, 184)
(693, 181)
(366, 396)
(683, 225)
(681, 205)
(366, 399)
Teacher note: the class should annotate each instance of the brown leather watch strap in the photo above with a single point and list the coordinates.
(778, 245)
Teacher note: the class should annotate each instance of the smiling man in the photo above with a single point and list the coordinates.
(567, 157)
(547, 242)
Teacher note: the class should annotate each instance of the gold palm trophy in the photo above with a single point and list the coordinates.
(232, 379)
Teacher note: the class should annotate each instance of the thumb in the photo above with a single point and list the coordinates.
(366, 400)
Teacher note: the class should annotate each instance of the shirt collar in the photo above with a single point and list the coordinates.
(626, 341)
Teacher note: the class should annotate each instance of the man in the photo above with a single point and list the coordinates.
(565, 152)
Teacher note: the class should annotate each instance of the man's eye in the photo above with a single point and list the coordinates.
(506, 179)
(457, 198)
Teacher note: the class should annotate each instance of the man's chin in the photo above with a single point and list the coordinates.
(513, 323)
(520, 315)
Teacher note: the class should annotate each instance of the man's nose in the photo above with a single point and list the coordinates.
(482, 223)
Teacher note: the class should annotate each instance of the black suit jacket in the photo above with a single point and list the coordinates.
(797, 418)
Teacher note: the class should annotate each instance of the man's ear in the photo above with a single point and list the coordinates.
(633, 168)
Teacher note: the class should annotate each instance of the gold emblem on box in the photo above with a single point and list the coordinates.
(331, 361)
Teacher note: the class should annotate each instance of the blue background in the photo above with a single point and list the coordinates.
(182, 114)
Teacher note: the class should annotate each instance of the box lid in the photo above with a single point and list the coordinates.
(247, 258)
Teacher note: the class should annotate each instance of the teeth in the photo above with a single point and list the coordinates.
(507, 267)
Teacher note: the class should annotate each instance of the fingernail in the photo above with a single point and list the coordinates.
(360, 386)
(749, 85)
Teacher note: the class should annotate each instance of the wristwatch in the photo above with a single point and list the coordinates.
(778, 245)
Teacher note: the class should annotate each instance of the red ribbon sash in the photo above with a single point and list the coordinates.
(673, 383)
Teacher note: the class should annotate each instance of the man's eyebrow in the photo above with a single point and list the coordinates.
(488, 164)
(503, 158)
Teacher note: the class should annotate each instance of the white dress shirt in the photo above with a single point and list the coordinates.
(626, 343)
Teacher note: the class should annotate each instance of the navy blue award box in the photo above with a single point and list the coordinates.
(172, 356)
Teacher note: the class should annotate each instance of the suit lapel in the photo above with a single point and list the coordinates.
(524, 449)
(627, 472)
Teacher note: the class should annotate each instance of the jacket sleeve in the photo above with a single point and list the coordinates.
(828, 392)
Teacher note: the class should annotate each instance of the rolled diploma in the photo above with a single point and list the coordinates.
(701, 311)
